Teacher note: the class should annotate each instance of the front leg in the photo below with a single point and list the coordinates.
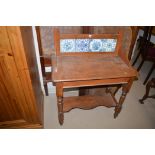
(59, 93)
(125, 90)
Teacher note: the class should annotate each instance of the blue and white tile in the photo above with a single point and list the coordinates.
(109, 45)
(96, 45)
(67, 45)
(82, 45)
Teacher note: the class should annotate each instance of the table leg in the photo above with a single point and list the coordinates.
(59, 93)
(125, 90)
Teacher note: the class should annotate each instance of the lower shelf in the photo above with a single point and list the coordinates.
(88, 102)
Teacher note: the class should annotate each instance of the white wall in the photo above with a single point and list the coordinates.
(38, 57)
(51, 88)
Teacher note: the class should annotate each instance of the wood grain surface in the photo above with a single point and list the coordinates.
(21, 98)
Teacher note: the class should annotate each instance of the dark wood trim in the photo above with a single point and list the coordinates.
(135, 31)
(44, 61)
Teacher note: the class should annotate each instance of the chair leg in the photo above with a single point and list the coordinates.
(46, 89)
(150, 72)
(136, 58)
(140, 65)
(148, 86)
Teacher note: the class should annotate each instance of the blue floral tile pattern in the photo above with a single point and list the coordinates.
(67, 45)
(88, 45)
(96, 45)
(82, 45)
(109, 45)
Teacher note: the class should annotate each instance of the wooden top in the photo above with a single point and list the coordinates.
(90, 67)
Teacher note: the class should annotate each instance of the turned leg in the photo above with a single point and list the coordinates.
(59, 93)
(148, 86)
(125, 90)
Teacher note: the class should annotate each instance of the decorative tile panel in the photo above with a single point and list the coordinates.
(109, 45)
(47, 37)
(82, 45)
(88, 45)
(67, 45)
(96, 45)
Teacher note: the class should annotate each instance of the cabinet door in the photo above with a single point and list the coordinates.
(12, 99)
(10, 107)
(14, 110)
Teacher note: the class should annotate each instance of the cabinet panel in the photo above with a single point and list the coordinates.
(13, 104)
(4, 41)
(16, 44)
(9, 98)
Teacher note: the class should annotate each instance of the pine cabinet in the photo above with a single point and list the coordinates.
(21, 97)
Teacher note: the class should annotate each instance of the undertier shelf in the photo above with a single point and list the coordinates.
(88, 102)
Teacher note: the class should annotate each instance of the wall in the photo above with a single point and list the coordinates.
(51, 88)
(38, 57)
